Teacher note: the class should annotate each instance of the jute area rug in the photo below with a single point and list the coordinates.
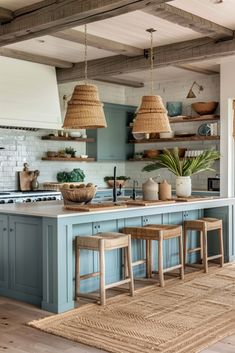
(184, 317)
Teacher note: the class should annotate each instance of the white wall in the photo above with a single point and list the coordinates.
(227, 82)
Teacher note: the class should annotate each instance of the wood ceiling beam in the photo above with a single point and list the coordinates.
(75, 36)
(122, 82)
(167, 55)
(196, 69)
(5, 15)
(17, 54)
(55, 15)
(187, 19)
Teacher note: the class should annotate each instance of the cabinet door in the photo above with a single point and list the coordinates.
(26, 254)
(3, 251)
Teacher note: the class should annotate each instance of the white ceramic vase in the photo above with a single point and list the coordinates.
(150, 190)
(183, 186)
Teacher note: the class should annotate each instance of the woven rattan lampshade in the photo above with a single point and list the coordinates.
(85, 111)
(151, 116)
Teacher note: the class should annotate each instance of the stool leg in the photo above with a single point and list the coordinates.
(185, 245)
(181, 257)
(102, 271)
(129, 261)
(160, 260)
(205, 251)
(221, 246)
(77, 274)
(201, 246)
(126, 273)
(148, 259)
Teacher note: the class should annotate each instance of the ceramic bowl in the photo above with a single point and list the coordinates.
(166, 135)
(174, 108)
(84, 156)
(205, 108)
(75, 134)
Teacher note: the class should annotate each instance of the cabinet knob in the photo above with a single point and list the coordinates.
(11, 229)
(4, 229)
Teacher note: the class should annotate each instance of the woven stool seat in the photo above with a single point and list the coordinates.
(159, 233)
(203, 225)
(102, 242)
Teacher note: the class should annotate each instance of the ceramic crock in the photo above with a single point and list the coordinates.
(150, 190)
(183, 186)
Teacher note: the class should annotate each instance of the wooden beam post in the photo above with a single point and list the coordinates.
(50, 16)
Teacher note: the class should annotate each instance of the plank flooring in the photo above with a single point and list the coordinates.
(16, 337)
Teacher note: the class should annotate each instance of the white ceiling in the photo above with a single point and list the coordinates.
(130, 29)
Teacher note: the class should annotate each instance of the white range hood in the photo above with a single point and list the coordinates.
(28, 95)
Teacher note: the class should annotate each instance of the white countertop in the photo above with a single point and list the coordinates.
(55, 209)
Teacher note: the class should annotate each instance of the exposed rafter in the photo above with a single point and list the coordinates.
(98, 42)
(121, 82)
(17, 54)
(187, 19)
(171, 54)
(197, 69)
(5, 15)
(55, 15)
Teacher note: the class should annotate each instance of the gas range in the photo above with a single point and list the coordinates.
(29, 196)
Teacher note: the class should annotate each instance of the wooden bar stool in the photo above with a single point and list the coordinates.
(101, 243)
(204, 225)
(158, 233)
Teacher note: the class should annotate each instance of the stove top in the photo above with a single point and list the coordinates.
(29, 196)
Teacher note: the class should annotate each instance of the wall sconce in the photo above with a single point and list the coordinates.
(191, 94)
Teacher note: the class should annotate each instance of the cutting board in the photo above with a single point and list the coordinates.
(95, 207)
(192, 198)
(148, 203)
(25, 180)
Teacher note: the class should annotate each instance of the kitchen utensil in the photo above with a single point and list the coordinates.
(204, 130)
(174, 108)
(204, 108)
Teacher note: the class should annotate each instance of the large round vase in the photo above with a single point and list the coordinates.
(183, 186)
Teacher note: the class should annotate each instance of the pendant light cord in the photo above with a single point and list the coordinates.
(151, 58)
(85, 55)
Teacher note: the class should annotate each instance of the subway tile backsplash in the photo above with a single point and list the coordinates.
(22, 146)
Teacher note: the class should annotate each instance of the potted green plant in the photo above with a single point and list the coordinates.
(183, 168)
(120, 180)
(71, 151)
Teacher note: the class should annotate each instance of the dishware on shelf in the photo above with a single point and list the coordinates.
(205, 108)
(52, 154)
(138, 136)
(174, 108)
(184, 134)
(166, 135)
(84, 156)
(151, 153)
(204, 130)
(75, 134)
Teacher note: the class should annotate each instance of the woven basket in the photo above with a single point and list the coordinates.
(85, 111)
(78, 195)
(152, 116)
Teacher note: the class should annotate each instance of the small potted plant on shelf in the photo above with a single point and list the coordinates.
(70, 151)
(183, 168)
(120, 180)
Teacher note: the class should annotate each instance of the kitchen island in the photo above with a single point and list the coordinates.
(37, 253)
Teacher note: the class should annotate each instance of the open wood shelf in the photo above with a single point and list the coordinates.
(188, 119)
(176, 139)
(66, 159)
(63, 138)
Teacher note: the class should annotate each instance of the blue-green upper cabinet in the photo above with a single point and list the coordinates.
(112, 142)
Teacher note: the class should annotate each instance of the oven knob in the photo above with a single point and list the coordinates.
(10, 201)
(39, 199)
(44, 199)
(28, 200)
(53, 198)
(2, 201)
(49, 199)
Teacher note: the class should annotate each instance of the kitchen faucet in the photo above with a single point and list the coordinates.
(114, 185)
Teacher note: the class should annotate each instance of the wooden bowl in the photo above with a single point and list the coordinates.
(205, 108)
(118, 183)
(78, 194)
(151, 153)
(52, 154)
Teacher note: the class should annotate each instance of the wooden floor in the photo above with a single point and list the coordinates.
(16, 337)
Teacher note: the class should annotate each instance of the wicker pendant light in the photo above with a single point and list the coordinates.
(85, 111)
(152, 115)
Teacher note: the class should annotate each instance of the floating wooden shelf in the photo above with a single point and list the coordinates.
(72, 159)
(176, 139)
(188, 119)
(63, 138)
